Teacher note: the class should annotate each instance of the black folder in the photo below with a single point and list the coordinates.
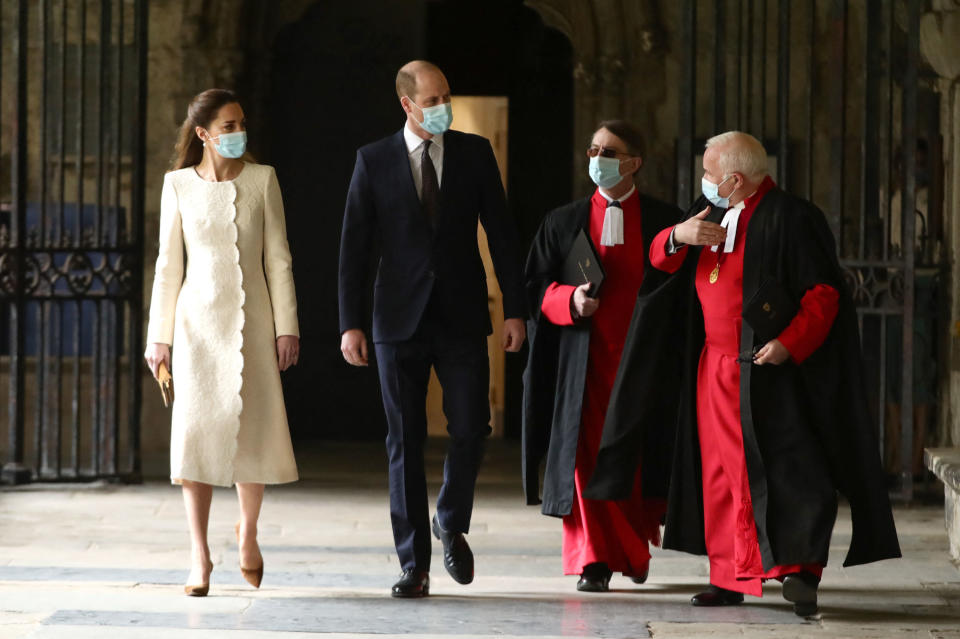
(769, 310)
(583, 265)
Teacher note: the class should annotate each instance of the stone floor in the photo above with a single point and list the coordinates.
(103, 561)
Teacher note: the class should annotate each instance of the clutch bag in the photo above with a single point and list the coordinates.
(165, 380)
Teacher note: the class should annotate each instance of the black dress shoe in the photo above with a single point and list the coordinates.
(457, 556)
(413, 583)
(716, 596)
(800, 589)
(595, 578)
(641, 579)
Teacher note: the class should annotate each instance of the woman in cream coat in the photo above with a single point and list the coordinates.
(223, 297)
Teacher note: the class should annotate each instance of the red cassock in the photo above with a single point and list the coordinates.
(730, 530)
(617, 533)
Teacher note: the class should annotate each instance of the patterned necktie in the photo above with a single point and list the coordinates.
(430, 189)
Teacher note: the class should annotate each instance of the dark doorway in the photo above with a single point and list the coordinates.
(332, 91)
(500, 47)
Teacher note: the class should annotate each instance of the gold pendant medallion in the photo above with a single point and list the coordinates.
(714, 274)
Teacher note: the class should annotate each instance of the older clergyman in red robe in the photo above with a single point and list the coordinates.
(770, 427)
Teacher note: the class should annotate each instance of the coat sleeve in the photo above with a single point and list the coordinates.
(277, 263)
(501, 236)
(811, 325)
(356, 242)
(812, 277)
(168, 277)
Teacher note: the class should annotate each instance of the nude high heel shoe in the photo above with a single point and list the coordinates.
(198, 590)
(253, 575)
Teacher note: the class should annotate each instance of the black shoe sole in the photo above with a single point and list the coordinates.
(642, 579)
(592, 587)
(716, 602)
(418, 595)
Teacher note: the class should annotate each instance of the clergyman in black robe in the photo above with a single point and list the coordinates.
(576, 336)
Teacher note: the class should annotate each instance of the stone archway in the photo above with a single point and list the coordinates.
(620, 69)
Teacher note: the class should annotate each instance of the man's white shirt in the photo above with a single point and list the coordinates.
(415, 151)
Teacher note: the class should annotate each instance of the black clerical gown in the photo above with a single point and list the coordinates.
(555, 378)
(787, 411)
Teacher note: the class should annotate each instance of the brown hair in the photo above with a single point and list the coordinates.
(202, 111)
(636, 145)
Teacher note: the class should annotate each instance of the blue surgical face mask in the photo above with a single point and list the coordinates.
(231, 145)
(711, 191)
(436, 119)
(605, 172)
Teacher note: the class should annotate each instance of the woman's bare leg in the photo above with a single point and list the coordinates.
(250, 497)
(196, 499)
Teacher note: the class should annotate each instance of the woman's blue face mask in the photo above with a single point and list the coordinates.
(230, 145)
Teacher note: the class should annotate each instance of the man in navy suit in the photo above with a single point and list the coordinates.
(419, 194)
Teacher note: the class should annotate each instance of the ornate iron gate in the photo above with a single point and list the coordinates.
(769, 67)
(71, 245)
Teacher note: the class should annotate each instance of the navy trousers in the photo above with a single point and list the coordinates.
(463, 370)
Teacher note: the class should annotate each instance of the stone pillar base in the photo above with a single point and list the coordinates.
(945, 464)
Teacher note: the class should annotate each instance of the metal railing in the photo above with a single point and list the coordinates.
(71, 241)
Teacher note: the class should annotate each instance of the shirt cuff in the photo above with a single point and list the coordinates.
(672, 245)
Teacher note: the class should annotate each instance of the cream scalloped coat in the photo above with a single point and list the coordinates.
(222, 293)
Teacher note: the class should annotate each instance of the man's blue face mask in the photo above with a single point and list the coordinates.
(711, 191)
(436, 119)
(605, 172)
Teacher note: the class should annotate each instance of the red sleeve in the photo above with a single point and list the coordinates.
(812, 323)
(556, 304)
(658, 253)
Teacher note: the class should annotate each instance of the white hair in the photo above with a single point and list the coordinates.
(739, 152)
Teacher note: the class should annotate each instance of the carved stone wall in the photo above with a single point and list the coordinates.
(622, 59)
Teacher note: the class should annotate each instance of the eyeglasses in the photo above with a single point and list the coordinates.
(604, 152)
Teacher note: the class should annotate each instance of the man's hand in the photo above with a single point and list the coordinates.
(773, 352)
(514, 332)
(353, 345)
(584, 305)
(696, 232)
(288, 351)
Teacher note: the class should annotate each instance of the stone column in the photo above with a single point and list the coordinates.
(940, 47)
(612, 40)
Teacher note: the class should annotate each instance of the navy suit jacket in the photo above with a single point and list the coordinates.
(418, 260)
